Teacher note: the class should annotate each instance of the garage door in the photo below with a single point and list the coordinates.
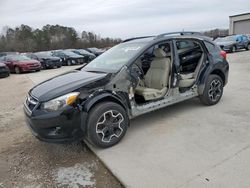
(242, 27)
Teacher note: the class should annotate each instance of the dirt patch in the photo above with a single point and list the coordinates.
(27, 162)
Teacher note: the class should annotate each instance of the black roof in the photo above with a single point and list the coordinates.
(164, 36)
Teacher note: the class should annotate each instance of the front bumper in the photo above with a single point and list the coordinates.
(56, 127)
(52, 64)
(28, 69)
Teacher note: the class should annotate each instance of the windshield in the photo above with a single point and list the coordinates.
(18, 57)
(115, 58)
(225, 39)
(69, 53)
(43, 55)
(83, 51)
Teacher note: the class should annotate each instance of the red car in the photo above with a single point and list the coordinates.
(21, 63)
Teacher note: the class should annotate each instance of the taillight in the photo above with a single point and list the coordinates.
(223, 54)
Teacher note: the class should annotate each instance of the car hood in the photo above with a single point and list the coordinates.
(226, 43)
(63, 84)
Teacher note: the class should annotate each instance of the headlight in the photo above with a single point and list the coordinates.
(60, 102)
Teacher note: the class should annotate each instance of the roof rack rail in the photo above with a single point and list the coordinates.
(180, 33)
(126, 40)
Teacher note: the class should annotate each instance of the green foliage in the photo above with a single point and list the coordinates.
(50, 37)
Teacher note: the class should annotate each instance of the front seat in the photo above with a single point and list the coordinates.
(157, 77)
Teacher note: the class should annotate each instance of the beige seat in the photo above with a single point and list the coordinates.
(157, 77)
(187, 80)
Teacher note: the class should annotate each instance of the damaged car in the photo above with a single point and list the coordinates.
(138, 76)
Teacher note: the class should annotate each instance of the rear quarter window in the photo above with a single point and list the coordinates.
(211, 47)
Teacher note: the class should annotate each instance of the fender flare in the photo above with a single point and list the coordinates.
(104, 96)
(203, 79)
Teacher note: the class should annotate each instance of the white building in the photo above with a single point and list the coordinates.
(239, 24)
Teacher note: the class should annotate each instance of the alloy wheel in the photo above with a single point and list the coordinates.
(109, 126)
(17, 70)
(215, 90)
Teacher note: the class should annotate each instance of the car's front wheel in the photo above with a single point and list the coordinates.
(213, 90)
(107, 124)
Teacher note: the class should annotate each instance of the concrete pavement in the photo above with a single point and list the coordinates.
(187, 144)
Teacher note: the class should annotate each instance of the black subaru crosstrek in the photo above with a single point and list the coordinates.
(138, 76)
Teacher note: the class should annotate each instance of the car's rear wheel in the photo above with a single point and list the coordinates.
(107, 124)
(17, 70)
(213, 90)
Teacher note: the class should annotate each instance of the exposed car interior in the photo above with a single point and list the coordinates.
(154, 82)
(191, 58)
(155, 65)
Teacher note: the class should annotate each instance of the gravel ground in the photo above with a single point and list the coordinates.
(27, 162)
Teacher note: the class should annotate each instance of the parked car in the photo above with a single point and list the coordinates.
(46, 60)
(233, 42)
(98, 101)
(95, 51)
(21, 63)
(4, 70)
(68, 57)
(87, 55)
(8, 53)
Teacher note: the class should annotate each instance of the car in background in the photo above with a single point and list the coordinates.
(20, 63)
(8, 53)
(4, 70)
(68, 57)
(95, 51)
(233, 42)
(46, 60)
(88, 56)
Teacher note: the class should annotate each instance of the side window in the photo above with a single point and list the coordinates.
(183, 44)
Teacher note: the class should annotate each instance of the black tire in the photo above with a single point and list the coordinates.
(17, 70)
(213, 90)
(248, 47)
(233, 49)
(103, 132)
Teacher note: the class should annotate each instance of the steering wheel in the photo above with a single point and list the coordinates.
(137, 70)
(137, 74)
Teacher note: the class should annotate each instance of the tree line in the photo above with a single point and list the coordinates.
(50, 37)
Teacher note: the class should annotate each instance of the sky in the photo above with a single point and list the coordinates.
(123, 18)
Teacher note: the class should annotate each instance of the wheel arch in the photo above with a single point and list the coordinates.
(216, 71)
(219, 73)
(104, 97)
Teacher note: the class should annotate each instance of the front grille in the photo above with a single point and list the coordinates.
(31, 103)
(2, 69)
